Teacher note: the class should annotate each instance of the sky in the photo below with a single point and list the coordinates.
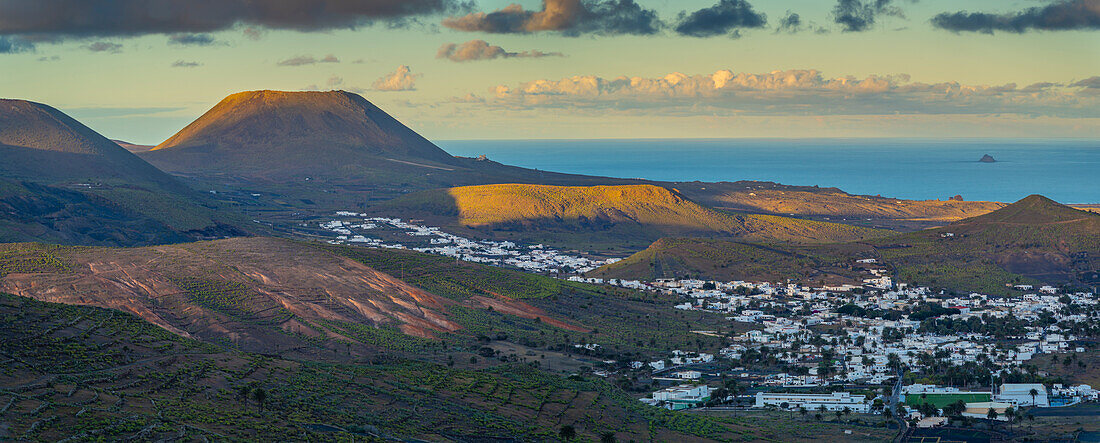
(140, 70)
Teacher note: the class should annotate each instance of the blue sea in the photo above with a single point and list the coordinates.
(1064, 170)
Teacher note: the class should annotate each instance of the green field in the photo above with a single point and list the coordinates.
(941, 400)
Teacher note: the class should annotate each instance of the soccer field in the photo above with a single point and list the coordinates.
(941, 400)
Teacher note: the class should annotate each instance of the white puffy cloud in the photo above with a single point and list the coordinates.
(794, 92)
(400, 80)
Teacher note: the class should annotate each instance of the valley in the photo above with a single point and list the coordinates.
(306, 267)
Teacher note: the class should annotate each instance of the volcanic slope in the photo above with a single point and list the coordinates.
(333, 149)
(1034, 240)
(60, 181)
(575, 215)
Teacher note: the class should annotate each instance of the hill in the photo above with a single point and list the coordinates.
(833, 204)
(573, 215)
(325, 302)
(1031, 241)
(82, 373)
(61, 181)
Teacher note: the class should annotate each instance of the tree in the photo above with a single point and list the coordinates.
(567, 432)
(608, 437)
(1010, 414)
(261, 396)
(991, 415)
(1033, 393)
(802, 411)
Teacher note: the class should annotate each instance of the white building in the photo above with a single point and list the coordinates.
(836, 401)
(1020, 394)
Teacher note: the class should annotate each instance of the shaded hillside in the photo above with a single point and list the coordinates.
(133, 147)
(833, 204)
(604, 214)
(61, 181)
(80, 373)
(1032, 240)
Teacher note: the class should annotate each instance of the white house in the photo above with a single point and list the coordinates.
(835, 401)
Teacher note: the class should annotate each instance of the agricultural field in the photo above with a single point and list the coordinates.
(98, 374)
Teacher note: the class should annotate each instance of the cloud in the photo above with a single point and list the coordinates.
(335, 81)
(303, 60)
(1063, 15)
(790, 23)
(794, 92)
(191, 39)
(185, 64)
(13, 45)
(58, 20)
(570, 17)
(252, 33)
(724, 18)
(52, 58)
(400, 80)
(113, 48)
(482, 50)
(859, 15)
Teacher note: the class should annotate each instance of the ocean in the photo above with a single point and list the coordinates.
(1067, 171)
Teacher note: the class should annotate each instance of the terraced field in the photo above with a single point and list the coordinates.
(82, 373)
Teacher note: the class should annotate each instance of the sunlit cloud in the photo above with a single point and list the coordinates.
(796, 92)
(482, 50)
(400, 80)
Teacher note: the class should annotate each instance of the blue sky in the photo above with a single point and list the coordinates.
(900, 76)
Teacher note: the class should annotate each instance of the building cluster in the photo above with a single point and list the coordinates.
(350, 229)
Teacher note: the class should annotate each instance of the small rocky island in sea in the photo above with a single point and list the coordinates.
(988, 159)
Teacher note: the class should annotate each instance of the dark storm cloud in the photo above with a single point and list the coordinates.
(61, 19)
(724, 18)
(570, 17)
(859, 15)
(1057, 16)
(191, 39)
(791, 23)
(12, 45)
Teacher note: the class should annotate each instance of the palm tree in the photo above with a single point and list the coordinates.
(802, 411)
(1033, 393)
(991, 415)
(1010, 414)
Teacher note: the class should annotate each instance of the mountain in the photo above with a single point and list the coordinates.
(1034, 240)
(279, 135)
(132, 147)
(60, 181)
(607, 214)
